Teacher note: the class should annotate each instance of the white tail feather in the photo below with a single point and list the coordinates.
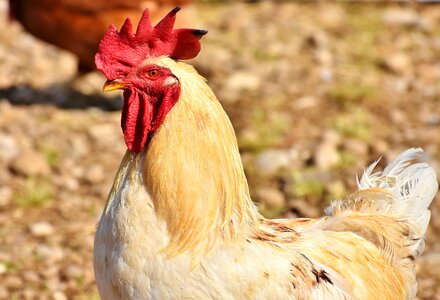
(413, 184)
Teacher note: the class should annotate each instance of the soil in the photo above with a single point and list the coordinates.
(315, 92)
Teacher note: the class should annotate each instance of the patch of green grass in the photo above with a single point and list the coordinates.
(270, 211)
(262, 55)
(269, 130)
(361, 20)
(10, 266)
(52, 156)
(306, 187)
(80, 281)
(38, 258)
(34, 193)
(364, 30)
(347, 160)
(50, 152)
(91, 296)
(353, 124)
(335, 190)
(346, 94)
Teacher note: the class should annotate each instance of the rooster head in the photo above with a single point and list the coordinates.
(150, 90)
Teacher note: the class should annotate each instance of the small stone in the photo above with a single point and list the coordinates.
(104, 134)
(216, 64)
(31, 276)
(271, 197)
(305, 102)
(398, 116)
(5, 195)
(380, 147)
(326, 74)
(52, 282)
(326, 154)
(8, 148)
(3, 268)
(333, 16)
(49, 253)
(398, 63)
(43, 251)
(13, 282)
(401, 17)
(304, 209)
(357, 147)
(78, 171)
(29, 294)
(324, 57)
(271, 161)
(70, 183)
(426, 284)
(73, 272)
(430, 262)
(89, 84)
(42, 229)
(237, 83)
(52, 273)
(31, 163)
(401, 85)
(3, 293)
(58, 295)
(95, 174)
(297, 158)
(80, 145)
(290, 215)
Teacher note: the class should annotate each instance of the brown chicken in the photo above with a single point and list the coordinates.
(78, 25)
(179, 222)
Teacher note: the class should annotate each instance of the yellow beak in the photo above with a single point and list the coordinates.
(112, 85)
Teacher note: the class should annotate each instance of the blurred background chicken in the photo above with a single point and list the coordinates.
(179, 221)
(78, 25)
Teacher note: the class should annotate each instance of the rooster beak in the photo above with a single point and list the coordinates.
(112, 85)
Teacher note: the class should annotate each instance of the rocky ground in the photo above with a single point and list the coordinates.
(315, 92)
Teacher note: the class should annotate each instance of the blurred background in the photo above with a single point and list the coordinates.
(315, 90)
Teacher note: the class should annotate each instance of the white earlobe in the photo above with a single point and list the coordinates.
(170, 81)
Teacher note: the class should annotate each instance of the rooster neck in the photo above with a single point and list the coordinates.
(193, 171)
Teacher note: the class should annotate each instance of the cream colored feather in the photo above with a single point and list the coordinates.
(179, 222)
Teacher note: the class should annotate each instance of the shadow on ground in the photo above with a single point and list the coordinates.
(60, 95)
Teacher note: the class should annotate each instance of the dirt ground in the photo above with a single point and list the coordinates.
(315, 93)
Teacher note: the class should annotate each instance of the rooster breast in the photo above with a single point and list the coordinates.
(129, 263)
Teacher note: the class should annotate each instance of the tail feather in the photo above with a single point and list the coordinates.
(390, 210)
(399, 196)
(413, 185)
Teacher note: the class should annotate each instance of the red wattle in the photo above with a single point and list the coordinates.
(143, 114)
(137, 115)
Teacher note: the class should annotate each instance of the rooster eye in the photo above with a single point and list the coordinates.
(153, 73)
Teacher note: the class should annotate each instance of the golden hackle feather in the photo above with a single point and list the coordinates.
(195, 170)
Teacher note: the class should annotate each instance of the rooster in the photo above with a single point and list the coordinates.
(179, 222)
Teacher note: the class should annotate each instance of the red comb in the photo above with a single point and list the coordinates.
(120, 51)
